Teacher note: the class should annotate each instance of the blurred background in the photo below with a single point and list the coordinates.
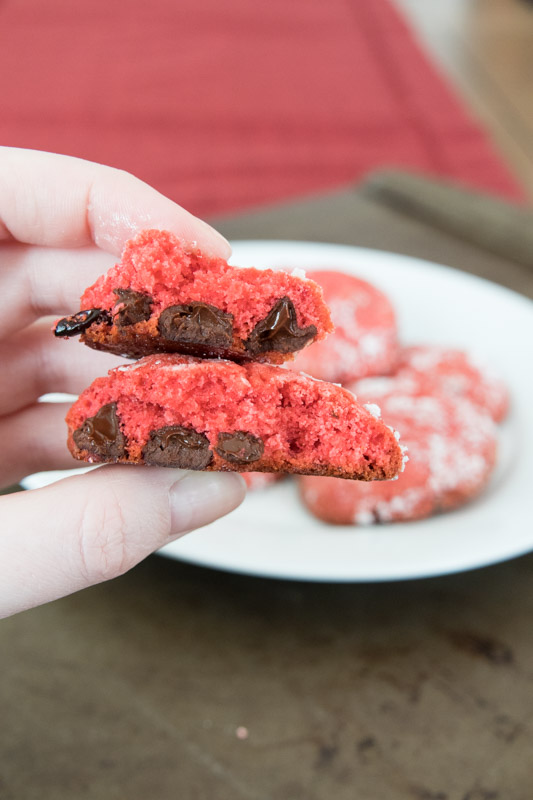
(237, 105)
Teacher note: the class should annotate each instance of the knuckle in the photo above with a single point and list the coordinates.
(103, 538)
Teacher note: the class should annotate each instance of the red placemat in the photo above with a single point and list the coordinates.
(224, 106)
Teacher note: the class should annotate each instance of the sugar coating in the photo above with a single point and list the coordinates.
(299, 273)
(365, 340)
(300, 420)
(432, 370)
(458, 374)
(373, 409)
(452, 451)
(157, 263)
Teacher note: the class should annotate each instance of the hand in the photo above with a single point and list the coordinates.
(63, 222)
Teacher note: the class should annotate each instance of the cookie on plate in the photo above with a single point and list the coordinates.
(365, 340)
(451, 447)
(162, 297)
(180, 411)
(430, 369)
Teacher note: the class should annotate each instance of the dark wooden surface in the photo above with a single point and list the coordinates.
(143, 688)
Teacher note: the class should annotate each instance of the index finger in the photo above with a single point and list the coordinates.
(61, 201)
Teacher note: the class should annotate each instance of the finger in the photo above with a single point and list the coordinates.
(93, 527)
(38, 363)
(59, 201)
(33, 440)
(44, 280)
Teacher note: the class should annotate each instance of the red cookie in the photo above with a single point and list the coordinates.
(365, 340)
(451, 447)
(428, 369)
(180, 411)
(164, 298)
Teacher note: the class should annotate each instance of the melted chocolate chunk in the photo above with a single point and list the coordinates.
(101, 434)
(135, 307)
(197, 324)
(77, 323)
(239, 447)
(279, 331)
(175, 446)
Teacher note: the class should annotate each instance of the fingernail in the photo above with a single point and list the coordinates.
(220, 244)
(199, 498)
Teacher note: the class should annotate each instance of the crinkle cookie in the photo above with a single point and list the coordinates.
(365, 339)
(430, 369)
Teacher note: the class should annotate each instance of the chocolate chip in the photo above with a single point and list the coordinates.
(101, 434)
(135, 307)
(239, 447)
(197, 323)
(279, 331)
(175, 446)
(77, 323)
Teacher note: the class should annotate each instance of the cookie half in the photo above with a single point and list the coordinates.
(162, 297)
(180, 411)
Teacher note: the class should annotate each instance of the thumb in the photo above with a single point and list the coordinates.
(93, 527)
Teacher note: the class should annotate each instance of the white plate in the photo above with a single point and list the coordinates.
(272, 535)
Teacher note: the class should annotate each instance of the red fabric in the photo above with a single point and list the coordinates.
(226, 105)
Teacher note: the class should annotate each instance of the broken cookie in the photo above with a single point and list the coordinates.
(181, 411)
(162, 297)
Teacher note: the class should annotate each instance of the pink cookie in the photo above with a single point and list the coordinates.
(451, 448)
(162, 297)
(365, 340)
(428, 369)
(180, 411)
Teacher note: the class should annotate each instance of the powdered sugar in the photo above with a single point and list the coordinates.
(405, 457)
(364, 518)
(375, 410)
(364, 341)
(400, 506)
(129, 367)
(453, 373)
(299, 273)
